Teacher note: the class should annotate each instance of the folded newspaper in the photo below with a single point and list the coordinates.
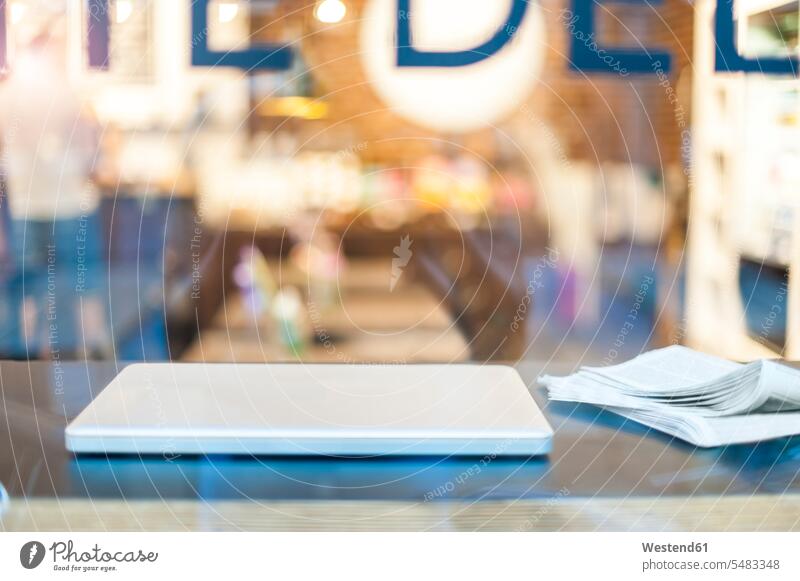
(696, 397)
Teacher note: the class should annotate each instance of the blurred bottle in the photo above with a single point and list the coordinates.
(291, 319)
(255, 282)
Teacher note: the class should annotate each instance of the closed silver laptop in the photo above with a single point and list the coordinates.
(300, 409)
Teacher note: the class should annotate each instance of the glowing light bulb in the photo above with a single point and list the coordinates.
(18, 12)
(228, 11)
(330, 11)
(124, 9)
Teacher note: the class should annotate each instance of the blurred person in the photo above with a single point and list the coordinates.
(49, 144)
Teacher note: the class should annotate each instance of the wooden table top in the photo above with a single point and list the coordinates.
(604, 473)
(708, 514)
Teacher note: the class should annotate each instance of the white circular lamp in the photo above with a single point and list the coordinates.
(453, 99)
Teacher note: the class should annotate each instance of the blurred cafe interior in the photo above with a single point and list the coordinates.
(258, 180)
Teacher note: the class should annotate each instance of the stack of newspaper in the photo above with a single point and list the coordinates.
(696, 397)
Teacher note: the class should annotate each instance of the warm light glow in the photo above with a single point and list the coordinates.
(17, 12)
(228, 11)
(330, 11)
(124, 9)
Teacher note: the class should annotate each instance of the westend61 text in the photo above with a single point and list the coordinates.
(672, 548)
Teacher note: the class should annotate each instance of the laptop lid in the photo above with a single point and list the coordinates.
(312, 409)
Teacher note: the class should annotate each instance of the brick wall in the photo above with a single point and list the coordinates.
(599, 117)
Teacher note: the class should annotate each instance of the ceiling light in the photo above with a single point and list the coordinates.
(330, 11)
(17, 12)
(228, 11)
(124, 9)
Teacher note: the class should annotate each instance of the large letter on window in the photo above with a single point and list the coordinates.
(98, 28)
(3, 39)
(588, 56)
(272, 57)
(728, 58)
(408, 56)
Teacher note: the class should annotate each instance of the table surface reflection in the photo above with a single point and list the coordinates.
(596, 455)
